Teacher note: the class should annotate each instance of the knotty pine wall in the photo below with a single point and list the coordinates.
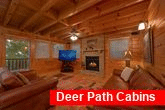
(156, 19)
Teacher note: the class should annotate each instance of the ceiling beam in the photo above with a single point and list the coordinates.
(19, 34)
(48, 5)
(12, 7)
(124, 13)
(62, 32)
(44, 26)
(70, 2)
(132, 25)
(135, 18)
(113, 23)
(50, 15)
(29, 5)
(80, 6)
(122, 31)
(64, 22)
(81, 35)
(65, 37)
(67, 13)
(103, 8)
(118, 35)
(125, 31)
(54, 29)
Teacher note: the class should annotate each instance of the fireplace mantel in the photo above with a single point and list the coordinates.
(100, 50)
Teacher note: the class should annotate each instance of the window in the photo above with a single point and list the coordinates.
(118, 48)
(77, 48)
(42, 50)
(17, 54)
(56, 48)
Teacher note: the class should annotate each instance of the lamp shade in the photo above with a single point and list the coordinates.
(127, 55)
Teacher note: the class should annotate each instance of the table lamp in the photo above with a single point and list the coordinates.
(127, 57)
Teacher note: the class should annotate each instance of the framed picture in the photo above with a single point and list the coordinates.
(91, 44)
(148, 47)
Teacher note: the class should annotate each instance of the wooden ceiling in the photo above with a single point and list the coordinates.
(57, 18)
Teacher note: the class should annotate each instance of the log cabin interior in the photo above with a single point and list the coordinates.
(77, 44)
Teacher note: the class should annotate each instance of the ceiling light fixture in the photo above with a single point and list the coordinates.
(73, 37)
(141, 26)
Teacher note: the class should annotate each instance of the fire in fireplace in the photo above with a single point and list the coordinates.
(92, 63)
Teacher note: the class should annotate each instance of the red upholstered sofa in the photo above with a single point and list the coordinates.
(32, 96)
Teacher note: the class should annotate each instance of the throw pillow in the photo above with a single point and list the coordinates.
(126, 73)
(9, 80)
(22, 78)
(30, 75)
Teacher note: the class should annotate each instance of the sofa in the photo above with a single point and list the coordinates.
(32, 94)
(138, 80)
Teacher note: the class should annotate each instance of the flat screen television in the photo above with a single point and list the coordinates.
(67, 55)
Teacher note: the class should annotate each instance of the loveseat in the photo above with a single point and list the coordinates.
(138, 80)
(31, 96)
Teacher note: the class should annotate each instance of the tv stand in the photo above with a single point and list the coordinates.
(67, 66)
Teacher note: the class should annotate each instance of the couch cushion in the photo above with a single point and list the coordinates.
(126, 73)
(1, 88)
(136, 75)
(30, 75)
(143, 80)
(22, 78)
(116, 83)
(9, 80)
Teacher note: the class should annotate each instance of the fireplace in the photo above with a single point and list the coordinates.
(92, 63)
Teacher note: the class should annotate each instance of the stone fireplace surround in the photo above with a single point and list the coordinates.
(93, 50)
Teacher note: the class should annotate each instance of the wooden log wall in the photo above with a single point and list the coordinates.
(156, 18)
